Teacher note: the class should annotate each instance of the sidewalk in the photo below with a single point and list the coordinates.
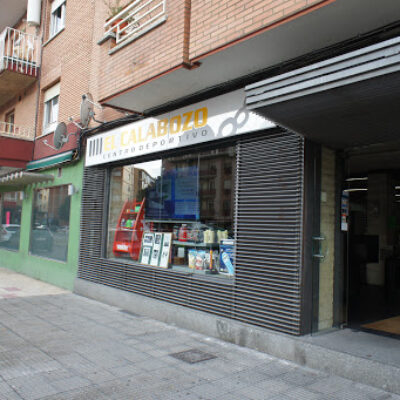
(55, 345)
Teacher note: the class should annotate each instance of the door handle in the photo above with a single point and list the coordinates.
(317, 253)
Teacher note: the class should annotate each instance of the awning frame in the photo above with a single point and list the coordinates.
(366, 63)
(23, 178)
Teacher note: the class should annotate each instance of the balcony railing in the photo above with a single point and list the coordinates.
(135, 19)
(19, 52)
(14, 131)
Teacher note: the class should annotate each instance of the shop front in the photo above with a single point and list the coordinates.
(201, 208)
(39, 220)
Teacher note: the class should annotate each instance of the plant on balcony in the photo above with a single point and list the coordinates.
(114, 7)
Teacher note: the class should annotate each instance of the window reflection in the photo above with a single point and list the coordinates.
(10, 227)
(50, 223)
(175, 212)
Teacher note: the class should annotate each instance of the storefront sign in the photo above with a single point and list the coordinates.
(213, 119)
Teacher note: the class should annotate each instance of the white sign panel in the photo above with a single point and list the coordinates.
(213, 119)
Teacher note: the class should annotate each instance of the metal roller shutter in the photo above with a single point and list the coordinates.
(269, 231)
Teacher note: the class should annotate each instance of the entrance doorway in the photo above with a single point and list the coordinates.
(373, 241)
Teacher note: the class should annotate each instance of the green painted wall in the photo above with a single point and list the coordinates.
(53, 271)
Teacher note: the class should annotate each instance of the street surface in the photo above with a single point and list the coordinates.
(55, 345)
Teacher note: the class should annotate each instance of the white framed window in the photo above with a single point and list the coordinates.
(51, 100)
(10, 117)
(57, 19)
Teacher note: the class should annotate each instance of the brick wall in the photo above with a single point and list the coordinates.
(157, 51)
(66, 58)
(192, 28)
(209, 25)
(216, 23)
(24, 104)
(24, 107)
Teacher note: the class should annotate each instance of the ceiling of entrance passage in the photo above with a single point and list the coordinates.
(11, 11)
(334, 23)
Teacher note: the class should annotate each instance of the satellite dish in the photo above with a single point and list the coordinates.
(86, 110)
(60, 135)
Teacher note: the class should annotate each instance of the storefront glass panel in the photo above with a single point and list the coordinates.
(175, 212)
(50, 223)
(10, 228)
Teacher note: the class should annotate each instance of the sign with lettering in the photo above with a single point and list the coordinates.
(213, 119)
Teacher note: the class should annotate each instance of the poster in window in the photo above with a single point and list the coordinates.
(146, 253)
(165, 250)
(155, 254)
(148, 239)
(174, 195)
(186, 193)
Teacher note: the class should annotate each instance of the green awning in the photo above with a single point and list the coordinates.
(50, 161)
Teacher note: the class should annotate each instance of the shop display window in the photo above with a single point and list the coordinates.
(50, 223)
(175, 212)
(10, 227)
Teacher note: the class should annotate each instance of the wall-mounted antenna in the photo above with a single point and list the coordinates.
(60, 137)
(87, 110)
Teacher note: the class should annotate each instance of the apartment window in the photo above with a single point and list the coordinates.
(57, 22)
(51, 100)
(10, 122)
(50, 223)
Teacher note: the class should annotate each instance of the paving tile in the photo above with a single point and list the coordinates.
(329, 385)
(254, 393)
(32, 387)
(124, 371)
(300, 393)
(210, 389)
(65, 347)
(74, 382)
(86, 393)
(10, 396)
(300, 377)
(274, 386)
(233, 396)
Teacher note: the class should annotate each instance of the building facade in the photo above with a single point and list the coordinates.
(41, 88)
(238, 163)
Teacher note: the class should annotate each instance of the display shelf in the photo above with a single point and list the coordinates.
(127, 239)
(193, 244)
(171, 221)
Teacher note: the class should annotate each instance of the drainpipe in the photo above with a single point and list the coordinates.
(187, 8)
(44, 10)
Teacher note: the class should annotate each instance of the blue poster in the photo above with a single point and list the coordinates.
(175, 195)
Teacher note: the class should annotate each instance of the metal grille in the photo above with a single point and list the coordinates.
(266, 291)
(268, 231)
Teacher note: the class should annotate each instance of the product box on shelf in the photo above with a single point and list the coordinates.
(226, 258)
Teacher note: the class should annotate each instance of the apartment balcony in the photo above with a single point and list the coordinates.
(133, 21)
(16, 145)
(19, 62)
